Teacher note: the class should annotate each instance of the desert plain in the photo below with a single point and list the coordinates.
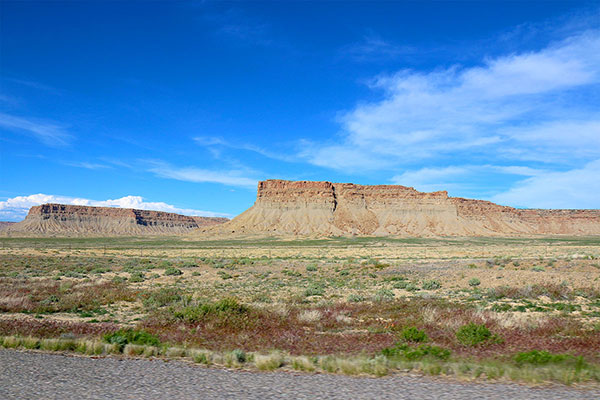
(496, 308)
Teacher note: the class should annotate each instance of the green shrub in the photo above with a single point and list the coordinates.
(474, 282)
(162, 297)
(224, 275)
(538, 269)
(401, 285)
(404, 351)
(311, 267)
(226, 307)
(173, 271)
(542, 357)
(431, 285)
(314, 290)
(474, 334)
(239, 355)
(136, 276)
(123, 337)
(383, 295)
(356, 298)
(413, 334)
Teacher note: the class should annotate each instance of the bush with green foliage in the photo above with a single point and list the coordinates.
(222, 308)
(173, 271)
(404, 351)
(383, 295)
(413, 334)
(474, 282)
(431, 285)
(356, 298)
(239, 355)
(542, 357)
(474, 334)
(123, 337)
(162, 297)
(314, 290)
(137, 276)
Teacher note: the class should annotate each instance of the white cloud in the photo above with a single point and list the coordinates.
(426, 179)
(17, 207)
(517, 107)
(87, 165)
(49, 133)
(575, 188)
(198, 175)
(457, 178)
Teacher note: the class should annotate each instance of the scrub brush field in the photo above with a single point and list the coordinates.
(478, 308)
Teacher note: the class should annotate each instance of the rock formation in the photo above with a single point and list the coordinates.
(327, 209)
(61, 219)
(5, 224)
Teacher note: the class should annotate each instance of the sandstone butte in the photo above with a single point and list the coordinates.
(69, 220)
(308, 208)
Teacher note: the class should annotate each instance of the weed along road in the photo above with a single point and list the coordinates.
(30, 375)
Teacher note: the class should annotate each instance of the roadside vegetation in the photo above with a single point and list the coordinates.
(529, 319)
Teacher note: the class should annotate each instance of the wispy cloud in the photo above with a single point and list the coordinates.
(15, 209)
(87, 165)
(373, 48)
(49, 133)
(514, 107)
(34, 85)
(237, 25)
(575, 188)
(216, 142)
(199, 175)
(460, 178)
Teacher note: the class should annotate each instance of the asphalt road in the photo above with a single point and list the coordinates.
(30, 375)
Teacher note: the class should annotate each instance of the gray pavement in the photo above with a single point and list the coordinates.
(31, 375)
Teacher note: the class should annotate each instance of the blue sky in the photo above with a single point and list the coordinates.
(185, 106)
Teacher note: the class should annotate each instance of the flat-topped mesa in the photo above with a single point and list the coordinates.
(326, 208)
(64, 219)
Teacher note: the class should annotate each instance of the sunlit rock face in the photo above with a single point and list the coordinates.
(308, 208)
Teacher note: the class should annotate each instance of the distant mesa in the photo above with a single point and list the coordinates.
(5, 224)
(306, 208)
(69, 220)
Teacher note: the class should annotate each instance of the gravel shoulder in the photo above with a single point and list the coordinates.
(33, 375)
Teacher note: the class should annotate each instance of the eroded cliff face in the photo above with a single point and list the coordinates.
(325, 209)
(62, 219)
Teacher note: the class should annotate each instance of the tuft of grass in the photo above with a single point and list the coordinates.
(302, 363)
(268, 362)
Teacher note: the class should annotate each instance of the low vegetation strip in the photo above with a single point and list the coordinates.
(430, 360)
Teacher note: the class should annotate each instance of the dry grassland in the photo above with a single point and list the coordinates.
(518, 304)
